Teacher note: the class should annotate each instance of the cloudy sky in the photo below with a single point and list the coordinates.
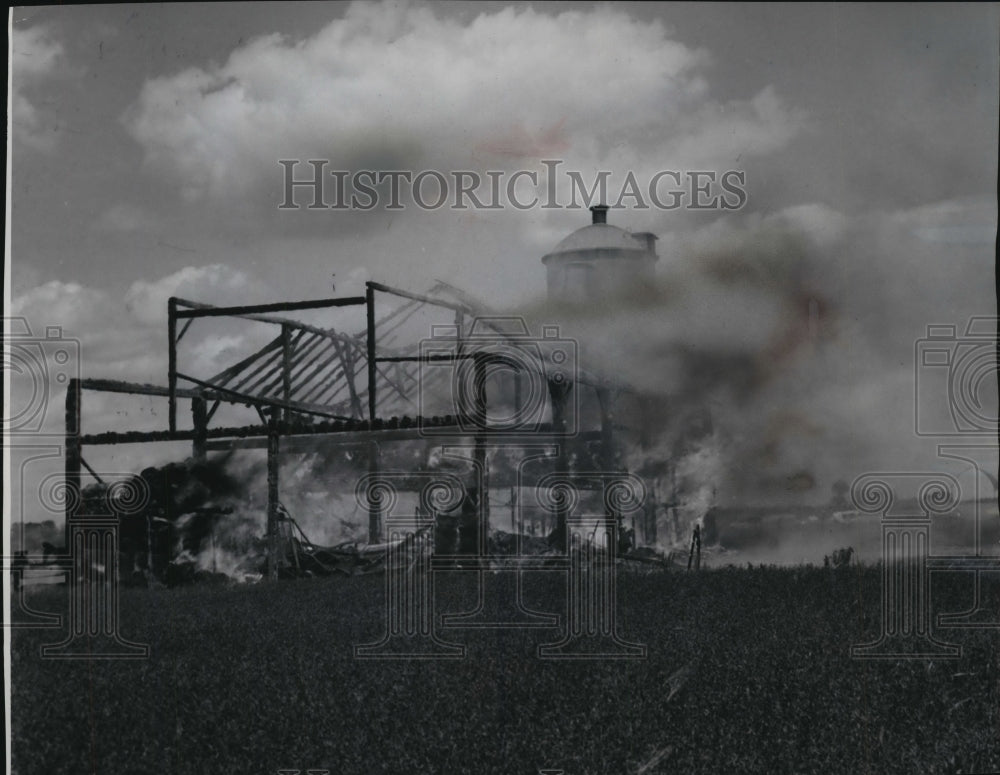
(146, 140)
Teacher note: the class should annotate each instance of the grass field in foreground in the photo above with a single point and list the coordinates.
(254, 679)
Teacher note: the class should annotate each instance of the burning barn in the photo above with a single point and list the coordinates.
(377, 403)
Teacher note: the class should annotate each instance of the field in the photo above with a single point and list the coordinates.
(747, 671)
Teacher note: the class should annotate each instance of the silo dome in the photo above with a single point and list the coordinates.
(599, 259)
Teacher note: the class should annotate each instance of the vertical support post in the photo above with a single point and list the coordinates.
(199, 416)
(370, 304)
(694, 554)
(272, 500)
(73, 453)
(374, 511)
(172, 363)
(286, 370)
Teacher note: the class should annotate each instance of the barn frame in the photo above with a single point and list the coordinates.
(342, 384)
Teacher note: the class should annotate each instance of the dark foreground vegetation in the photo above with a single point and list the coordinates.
(747, 671)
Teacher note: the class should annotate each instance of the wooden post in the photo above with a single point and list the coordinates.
(370, 303)
(694, 556)
(73, 452)
(172, 363)
(199, 416)
(272, 500)
(374, 512)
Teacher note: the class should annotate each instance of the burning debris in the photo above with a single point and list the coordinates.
(347, 406)
(200, 521)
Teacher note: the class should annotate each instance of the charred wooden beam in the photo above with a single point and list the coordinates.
(135, 388)
(73, 457)
(323, 391)
(256, 377)
(417, 297)
(172, 362)
(184, 329)
(306, 375)
(370, 302)
(351, 431)
(224, 376)
(558, 397)
(423, 358)
(199, 418)
(198, 310)
(90, 470)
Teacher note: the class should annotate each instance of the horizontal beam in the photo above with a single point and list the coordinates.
(139, 389)
(200, 310)
(354, 432)
(425, 358)
(308, 442)
(418, 297)
(260, 431)
(143, 437)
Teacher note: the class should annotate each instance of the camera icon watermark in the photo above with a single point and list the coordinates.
(963, 370)
(498, 378)
(36, 366)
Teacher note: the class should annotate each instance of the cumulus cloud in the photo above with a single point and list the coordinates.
(125, 337)
(147, 300)
(390, 84)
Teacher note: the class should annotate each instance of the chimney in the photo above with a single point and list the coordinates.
(648, 238)
(600, 213)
